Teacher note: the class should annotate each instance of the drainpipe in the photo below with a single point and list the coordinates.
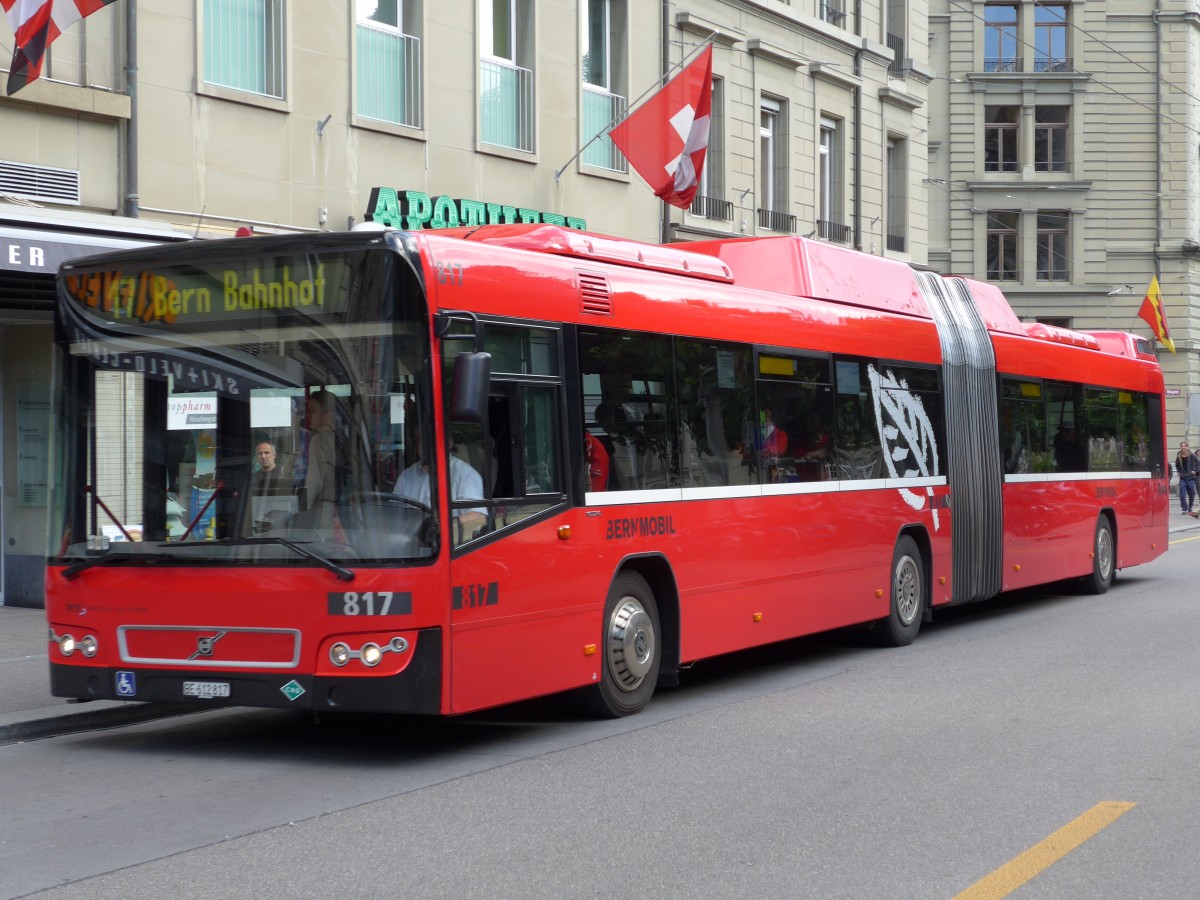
(856, 155)
(1158, 184)
(131, 127)
(664, 228)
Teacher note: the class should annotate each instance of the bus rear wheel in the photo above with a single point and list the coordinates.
(1103, 559)
(907, 597)
(631, 649)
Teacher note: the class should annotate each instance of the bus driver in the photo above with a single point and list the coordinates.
(465, 484)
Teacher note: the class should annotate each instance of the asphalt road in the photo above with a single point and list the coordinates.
(818, 768)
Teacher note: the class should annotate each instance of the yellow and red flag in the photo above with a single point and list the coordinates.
(1154, 314)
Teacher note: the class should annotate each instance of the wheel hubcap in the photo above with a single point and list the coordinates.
(630, 644)
(907, 590)
(1104, 553)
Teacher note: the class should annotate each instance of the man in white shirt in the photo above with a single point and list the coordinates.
(465, 484)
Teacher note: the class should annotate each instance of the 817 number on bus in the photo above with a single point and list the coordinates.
(369, 603)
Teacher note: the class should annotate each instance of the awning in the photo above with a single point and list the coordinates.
(40, 251)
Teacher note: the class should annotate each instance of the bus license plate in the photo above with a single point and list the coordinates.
(206, 690)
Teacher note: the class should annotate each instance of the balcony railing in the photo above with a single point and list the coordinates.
(505, 105)
(600, 110)
(713, 208)
(776, 221)
(1003, 64)
(834, 231)
(1053, 64)
(898, 67)
(389, 75)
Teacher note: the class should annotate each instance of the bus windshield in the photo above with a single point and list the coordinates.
(255, 407)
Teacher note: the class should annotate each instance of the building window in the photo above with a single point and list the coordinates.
(833, 11)
(505, 76)
(772, 167)
(1050, 39)
(389, 61)
(1003, 235)
(710, 199)
(603, 44)
(1050, 138)
(829, 186)
(1053, 261)
(1056, 321)
(1000, 40)
(897, 194)
(244, 45)
(1000, 138)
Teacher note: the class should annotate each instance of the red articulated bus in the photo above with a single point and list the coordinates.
(434, 472)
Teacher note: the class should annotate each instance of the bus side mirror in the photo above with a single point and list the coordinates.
(469, 393)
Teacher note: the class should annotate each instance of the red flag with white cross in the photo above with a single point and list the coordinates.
(36, 24)
(665, 139)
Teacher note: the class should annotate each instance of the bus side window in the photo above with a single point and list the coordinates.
(716, 395)
(539, 439)
(858, 454)
(635, 379)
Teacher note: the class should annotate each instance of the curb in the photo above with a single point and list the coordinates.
(52, 721)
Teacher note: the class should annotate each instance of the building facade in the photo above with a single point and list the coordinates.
(820, 122)
(1062, 164)
(163, 120)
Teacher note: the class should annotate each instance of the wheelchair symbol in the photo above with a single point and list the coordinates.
(126, 684)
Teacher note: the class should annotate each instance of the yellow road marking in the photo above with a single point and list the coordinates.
(1183, 541)
(1041, 856)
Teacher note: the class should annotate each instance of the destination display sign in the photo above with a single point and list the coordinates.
(226, 292)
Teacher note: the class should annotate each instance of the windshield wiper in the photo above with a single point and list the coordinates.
(108, 557)
(341, 572)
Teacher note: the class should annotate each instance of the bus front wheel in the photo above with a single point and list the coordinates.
(630, 647)
(907, 596)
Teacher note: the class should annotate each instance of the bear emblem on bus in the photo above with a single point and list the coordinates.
(906, 436)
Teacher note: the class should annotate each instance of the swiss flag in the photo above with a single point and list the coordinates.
(665, 138)
(35, 25)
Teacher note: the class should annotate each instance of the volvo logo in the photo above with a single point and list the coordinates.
(205, 645)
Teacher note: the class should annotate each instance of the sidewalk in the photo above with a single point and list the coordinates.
(28, 711)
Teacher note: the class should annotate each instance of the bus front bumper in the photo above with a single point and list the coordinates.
(416, 689)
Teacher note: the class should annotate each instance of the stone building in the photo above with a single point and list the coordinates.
(1062, 164)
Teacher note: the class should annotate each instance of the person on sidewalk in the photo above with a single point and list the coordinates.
(1188, 467)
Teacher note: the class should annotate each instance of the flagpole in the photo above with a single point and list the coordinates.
(628, 109)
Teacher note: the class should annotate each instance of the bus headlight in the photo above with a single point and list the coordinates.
(66, 645)
(88, 646)
(370, 654)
